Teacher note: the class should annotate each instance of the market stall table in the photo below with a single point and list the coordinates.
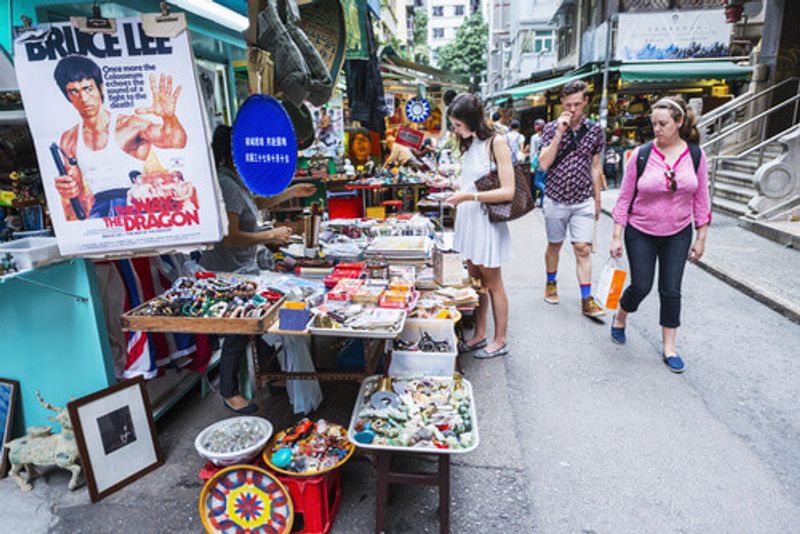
(465, 416)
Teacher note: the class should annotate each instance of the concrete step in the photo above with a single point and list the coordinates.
(728, 207)
(738, 165)
(736, 193)
(734, 177)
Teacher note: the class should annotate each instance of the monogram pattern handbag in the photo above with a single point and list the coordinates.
(521, 204)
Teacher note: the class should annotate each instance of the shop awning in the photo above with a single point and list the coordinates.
(683, 70)
(541, 86)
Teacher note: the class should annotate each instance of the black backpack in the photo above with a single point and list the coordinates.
(644, 155)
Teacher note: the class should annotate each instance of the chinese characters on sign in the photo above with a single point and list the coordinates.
(264, 145)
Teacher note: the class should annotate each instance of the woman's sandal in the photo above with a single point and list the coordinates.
(463, 348)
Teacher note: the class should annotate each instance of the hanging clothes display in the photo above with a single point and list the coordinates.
(365, 87)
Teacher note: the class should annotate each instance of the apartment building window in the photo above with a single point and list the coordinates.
(438, 11)
(544, 41)
(438, 33)
(566, 35)
(459, 11)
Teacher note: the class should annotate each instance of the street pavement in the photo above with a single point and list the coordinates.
(576, 434)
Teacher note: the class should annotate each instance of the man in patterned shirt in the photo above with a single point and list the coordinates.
(571, 148)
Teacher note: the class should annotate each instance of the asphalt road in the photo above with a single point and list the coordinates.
(577, 434)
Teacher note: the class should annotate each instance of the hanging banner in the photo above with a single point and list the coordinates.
(328, 129)
(355, 16)
(120, 139)
(264, 145)
(673, 35)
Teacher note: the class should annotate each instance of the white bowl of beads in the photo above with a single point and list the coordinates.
(233, 441)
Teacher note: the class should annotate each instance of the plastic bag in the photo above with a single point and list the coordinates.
(305, 395)
(612, 281)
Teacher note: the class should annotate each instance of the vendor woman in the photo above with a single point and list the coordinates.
(237, 253)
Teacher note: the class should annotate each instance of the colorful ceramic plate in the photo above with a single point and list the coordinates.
(244, 499)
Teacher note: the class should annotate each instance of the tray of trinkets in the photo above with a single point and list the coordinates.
(434, 415)
(357, 320)
(208, 304)
(308, 449)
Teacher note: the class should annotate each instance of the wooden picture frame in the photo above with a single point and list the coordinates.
(9, 389)
(115, 425)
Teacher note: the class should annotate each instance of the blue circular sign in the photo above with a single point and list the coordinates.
(264, 145)
(418, 109)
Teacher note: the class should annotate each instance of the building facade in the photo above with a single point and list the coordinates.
(521, 41)
(444, 19)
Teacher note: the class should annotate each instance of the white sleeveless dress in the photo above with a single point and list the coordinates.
(476, 238)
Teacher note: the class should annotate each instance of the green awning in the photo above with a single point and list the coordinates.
(539, 87)
(683, 70)
(501, 101)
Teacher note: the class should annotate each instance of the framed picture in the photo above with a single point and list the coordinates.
(116, 437)
(8, 395)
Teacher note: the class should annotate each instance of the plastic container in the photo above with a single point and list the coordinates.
(294, 316)
(405, 363)
(31, 252)
(236, 457)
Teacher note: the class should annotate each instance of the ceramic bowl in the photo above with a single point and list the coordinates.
(235, 457)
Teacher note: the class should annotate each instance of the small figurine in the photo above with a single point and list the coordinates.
(41, 447)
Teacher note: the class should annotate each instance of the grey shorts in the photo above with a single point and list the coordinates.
(578, 217)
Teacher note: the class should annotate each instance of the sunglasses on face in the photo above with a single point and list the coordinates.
(672, 184)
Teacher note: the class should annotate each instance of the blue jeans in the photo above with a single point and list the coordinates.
(671, 252)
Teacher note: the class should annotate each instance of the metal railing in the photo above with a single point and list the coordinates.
(716, 160)
(730, 109)
(714, 145)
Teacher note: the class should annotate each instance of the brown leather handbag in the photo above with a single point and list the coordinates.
(521, 204)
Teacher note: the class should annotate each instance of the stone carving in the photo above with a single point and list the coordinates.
(41, 447)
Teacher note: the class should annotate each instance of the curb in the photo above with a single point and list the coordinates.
(788, 309)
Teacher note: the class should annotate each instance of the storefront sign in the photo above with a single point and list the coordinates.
(409, 137)
(264, 145)
(418, 109)
(118, 127)
(673, 35)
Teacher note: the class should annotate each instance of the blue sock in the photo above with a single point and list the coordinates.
(586, 290)
(551, 277)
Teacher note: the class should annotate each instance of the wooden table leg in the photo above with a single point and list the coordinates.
(444, 493)
(384, 461)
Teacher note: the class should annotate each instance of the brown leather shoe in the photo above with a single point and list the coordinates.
(551, 293)
(591, 308)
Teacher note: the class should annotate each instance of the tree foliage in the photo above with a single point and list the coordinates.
(420, 27)
(467, 53)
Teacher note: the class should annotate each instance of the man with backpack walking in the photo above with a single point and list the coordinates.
(571, 150)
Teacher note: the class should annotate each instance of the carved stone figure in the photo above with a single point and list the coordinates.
(41, 447)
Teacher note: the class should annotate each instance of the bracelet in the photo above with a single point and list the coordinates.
(475, 196)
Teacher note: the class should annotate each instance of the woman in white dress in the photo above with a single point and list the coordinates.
(484, 245)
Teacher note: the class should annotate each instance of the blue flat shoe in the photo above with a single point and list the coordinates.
(674, 363)
(245, 410)
(617, 333)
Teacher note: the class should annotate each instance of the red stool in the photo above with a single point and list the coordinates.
(392, 206)
(316, 499)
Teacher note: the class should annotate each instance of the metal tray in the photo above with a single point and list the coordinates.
(419, 450)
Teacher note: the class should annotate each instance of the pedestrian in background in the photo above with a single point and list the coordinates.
(656, 210)
(497, 124)
(516, 142)
(570, 154)
(537, 172)
(484, 245)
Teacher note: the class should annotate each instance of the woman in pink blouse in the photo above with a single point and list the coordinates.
(656, 213)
